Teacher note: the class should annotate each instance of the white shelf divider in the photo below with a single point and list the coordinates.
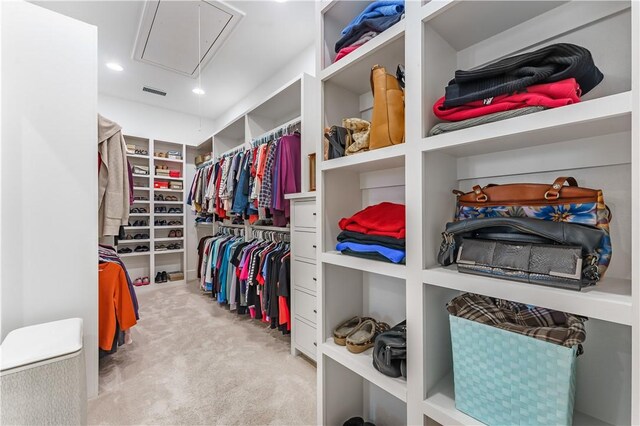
(365, 265)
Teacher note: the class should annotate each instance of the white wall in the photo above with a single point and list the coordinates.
(304, 62)
(48, 261)
(148, 121)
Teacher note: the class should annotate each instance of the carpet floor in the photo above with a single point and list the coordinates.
(194, 362)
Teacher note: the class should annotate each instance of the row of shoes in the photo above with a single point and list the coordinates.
(161, 277)
(358, 333)
(162, 247)
(136, 237)
(163, 209)
(169, 223)
(138, 249)
(138, 210)
(139, 223)
(175, 233)
(160, 197)
(140, 198)
(141, 281)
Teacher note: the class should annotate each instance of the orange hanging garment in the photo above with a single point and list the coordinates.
(114, 301)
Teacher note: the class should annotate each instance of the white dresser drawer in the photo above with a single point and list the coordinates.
(304, 244)
(305, 305)
(304, 275)
(305, 337)
(304, 214)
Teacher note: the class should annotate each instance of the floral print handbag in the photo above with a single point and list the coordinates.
(557, 202)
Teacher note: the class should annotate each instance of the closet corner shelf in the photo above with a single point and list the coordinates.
(610, 300)
(596, 117)
(170, 160)
(134, 241)
(146, 157)
(167, 251)
(144, 253)
(441, 407)
(365, 265)
(158, 177)
(376, 47)
(169, 239)
(377, 159)
(361, 364)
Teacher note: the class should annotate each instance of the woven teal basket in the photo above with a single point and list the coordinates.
(505, 378)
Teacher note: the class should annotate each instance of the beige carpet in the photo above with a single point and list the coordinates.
(193, 362)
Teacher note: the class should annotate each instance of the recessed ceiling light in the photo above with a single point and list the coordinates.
(115, 67)
(198, 91)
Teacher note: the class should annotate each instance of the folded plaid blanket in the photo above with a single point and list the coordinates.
(540, 323)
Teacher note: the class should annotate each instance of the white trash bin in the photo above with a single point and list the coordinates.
(42, 375)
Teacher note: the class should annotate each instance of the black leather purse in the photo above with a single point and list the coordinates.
(390, 351)
(339, 139)
(558, 254)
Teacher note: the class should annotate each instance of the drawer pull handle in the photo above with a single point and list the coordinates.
(314, 213)
(315, 344)
(315, 312)
(315, 279)
(314, 246)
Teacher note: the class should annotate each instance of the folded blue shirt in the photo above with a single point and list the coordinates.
(376, 9)
(394, 255)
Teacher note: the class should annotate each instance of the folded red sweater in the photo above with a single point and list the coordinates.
(550, 95)
(386, 219)
(345, 51)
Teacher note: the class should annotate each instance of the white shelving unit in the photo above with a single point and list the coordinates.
(146, 264)
(597, 141)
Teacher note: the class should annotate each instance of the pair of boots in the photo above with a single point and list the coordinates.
(161, 277)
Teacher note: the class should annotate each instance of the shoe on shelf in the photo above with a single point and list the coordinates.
(161, 247)
(164, 276)
(175, 223)
(158, 197)
(138, 237)
(172, 234)
(158, 278)
(363, 337)
(138, 282)
(145, 236)
(125, 250)
(178, 233)
(128, 237)
(145, 281)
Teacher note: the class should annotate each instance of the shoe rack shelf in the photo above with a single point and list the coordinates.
(597, 141)
(175, 260)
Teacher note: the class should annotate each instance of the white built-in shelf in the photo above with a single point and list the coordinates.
(365, 265)
(597, 117)
(170, 160)
(158, 177)
(362, 365)
(168, 251)
(299, 195)
(204, 224)
(140, 201)
(433, 7)
(167, 202)
(441, 407)
(140, 176)
(127, 228)
(377, 159)
(142, 253)
(133, 241)
(138, 214)
(609, 300)
(168, 226)
(145, 157)
(168, 214)
(353, 70)
(141, 188)
(230, 225)
(167, 190)
(269, 228)
(168, 239)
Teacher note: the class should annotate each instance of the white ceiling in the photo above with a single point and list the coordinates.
(270, 34)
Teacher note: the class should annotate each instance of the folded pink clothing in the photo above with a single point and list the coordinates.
(549, 95)
(345, 51)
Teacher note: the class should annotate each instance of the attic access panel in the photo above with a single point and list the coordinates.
(168, 34)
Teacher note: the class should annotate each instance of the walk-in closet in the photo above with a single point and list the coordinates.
(330, 212)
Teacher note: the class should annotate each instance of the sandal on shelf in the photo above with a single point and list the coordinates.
(125, 250)
(172, 234)
(161, 247)
(341, 332)
(138, 282)
(178, 233)
(363, 337)
(145, 281)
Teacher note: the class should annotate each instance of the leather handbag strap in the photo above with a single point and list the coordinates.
(553, 193)
(339, 149)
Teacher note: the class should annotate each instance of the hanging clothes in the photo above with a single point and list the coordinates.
(115, 307)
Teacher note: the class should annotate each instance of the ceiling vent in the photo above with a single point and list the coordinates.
(168, 34)
(154, 91)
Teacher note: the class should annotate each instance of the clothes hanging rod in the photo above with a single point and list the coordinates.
(231, 225)
(284, 128)
(270, 228)
(205, 164)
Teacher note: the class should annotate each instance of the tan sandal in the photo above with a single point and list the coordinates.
(364, 335)
(341, 332)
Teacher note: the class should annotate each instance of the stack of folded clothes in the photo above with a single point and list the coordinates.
(550, 77)
(377, 17)
(377, 232)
